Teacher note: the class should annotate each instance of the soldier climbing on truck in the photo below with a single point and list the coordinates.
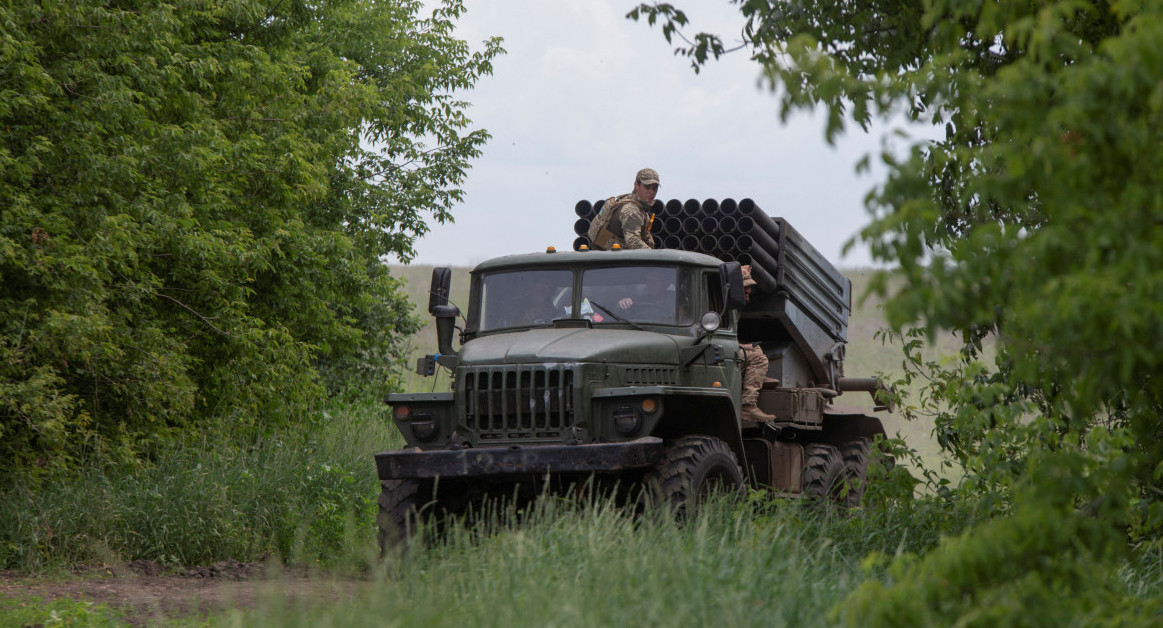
(634, 398)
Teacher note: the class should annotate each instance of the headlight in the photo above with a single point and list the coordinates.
(627, 420)
(425, 428)
(629, 416)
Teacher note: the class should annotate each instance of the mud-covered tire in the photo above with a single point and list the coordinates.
(403, 504)
(695, 466)
(826, 477)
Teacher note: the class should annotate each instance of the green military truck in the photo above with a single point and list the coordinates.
(623, 367)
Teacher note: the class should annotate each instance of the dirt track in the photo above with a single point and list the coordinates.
(148, 594)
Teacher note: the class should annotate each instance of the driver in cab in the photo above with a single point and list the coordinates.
(657, 304)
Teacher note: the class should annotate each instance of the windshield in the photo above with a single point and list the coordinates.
(525, 298)
(644, 294)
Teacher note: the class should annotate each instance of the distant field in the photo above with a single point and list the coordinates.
(866, 354)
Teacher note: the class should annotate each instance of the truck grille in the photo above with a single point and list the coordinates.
(650, 376)
(519, 402)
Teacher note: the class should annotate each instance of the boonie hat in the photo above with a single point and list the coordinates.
(647, 176)
(747, 280)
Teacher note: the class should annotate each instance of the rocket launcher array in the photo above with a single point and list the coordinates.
(796, 285)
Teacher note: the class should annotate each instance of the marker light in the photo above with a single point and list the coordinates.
(403, 412)
(615, 247)
(649, 406)
(717, 385)
(551, 249)
(583, 248)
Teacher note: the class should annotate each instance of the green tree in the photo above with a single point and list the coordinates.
(1038, 220)
(195, 200)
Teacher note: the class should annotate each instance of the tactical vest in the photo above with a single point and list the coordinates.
(606, 224)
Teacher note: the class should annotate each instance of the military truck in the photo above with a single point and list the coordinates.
(623, 367)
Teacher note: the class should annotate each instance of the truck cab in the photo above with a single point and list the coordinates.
(583, 348)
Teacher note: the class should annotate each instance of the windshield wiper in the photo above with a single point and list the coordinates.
(614, 316)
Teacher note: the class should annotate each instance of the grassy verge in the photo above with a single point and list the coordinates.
(304, 496)
(34, 611)
(595, 565)
(761, 562)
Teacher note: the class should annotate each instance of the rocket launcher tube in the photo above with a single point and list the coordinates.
(584, 209)
(747, 207)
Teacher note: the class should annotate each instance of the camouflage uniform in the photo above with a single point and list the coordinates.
(754, 363)
(630, 227)
(754, 372)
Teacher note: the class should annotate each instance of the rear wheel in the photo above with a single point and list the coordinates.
(827, 477)
(856, 454)
(695, 467)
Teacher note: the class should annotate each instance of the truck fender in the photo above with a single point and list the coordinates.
(841, 425)
(709, 415)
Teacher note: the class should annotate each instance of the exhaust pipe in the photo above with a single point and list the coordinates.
(870, 385)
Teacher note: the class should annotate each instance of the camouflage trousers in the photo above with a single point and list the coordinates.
(754, 372)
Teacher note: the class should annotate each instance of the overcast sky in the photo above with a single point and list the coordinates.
(583, 98)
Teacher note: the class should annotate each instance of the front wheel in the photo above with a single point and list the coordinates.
(403, 506)
(695, 467)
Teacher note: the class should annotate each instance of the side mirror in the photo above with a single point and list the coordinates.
(438, 292)
(731, 278)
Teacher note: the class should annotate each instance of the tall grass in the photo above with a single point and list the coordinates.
(297, 495)
(592, 564)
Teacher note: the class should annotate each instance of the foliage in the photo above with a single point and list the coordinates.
(195, 198)
(1035, 220)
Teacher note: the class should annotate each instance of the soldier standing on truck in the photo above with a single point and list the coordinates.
(754, 364)
(625, 220)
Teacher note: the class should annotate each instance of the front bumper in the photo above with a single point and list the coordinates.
(484, 462)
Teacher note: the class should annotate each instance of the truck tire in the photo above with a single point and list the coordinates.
(402, 505)
(856, 454)
(695, 466)
(826, 476)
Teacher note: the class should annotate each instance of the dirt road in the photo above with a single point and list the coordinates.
(148, 593)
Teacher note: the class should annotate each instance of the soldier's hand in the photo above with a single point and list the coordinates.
(626, 303)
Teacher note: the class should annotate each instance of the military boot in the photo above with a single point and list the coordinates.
(754, 417)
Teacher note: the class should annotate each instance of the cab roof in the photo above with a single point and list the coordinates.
(643, 257)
